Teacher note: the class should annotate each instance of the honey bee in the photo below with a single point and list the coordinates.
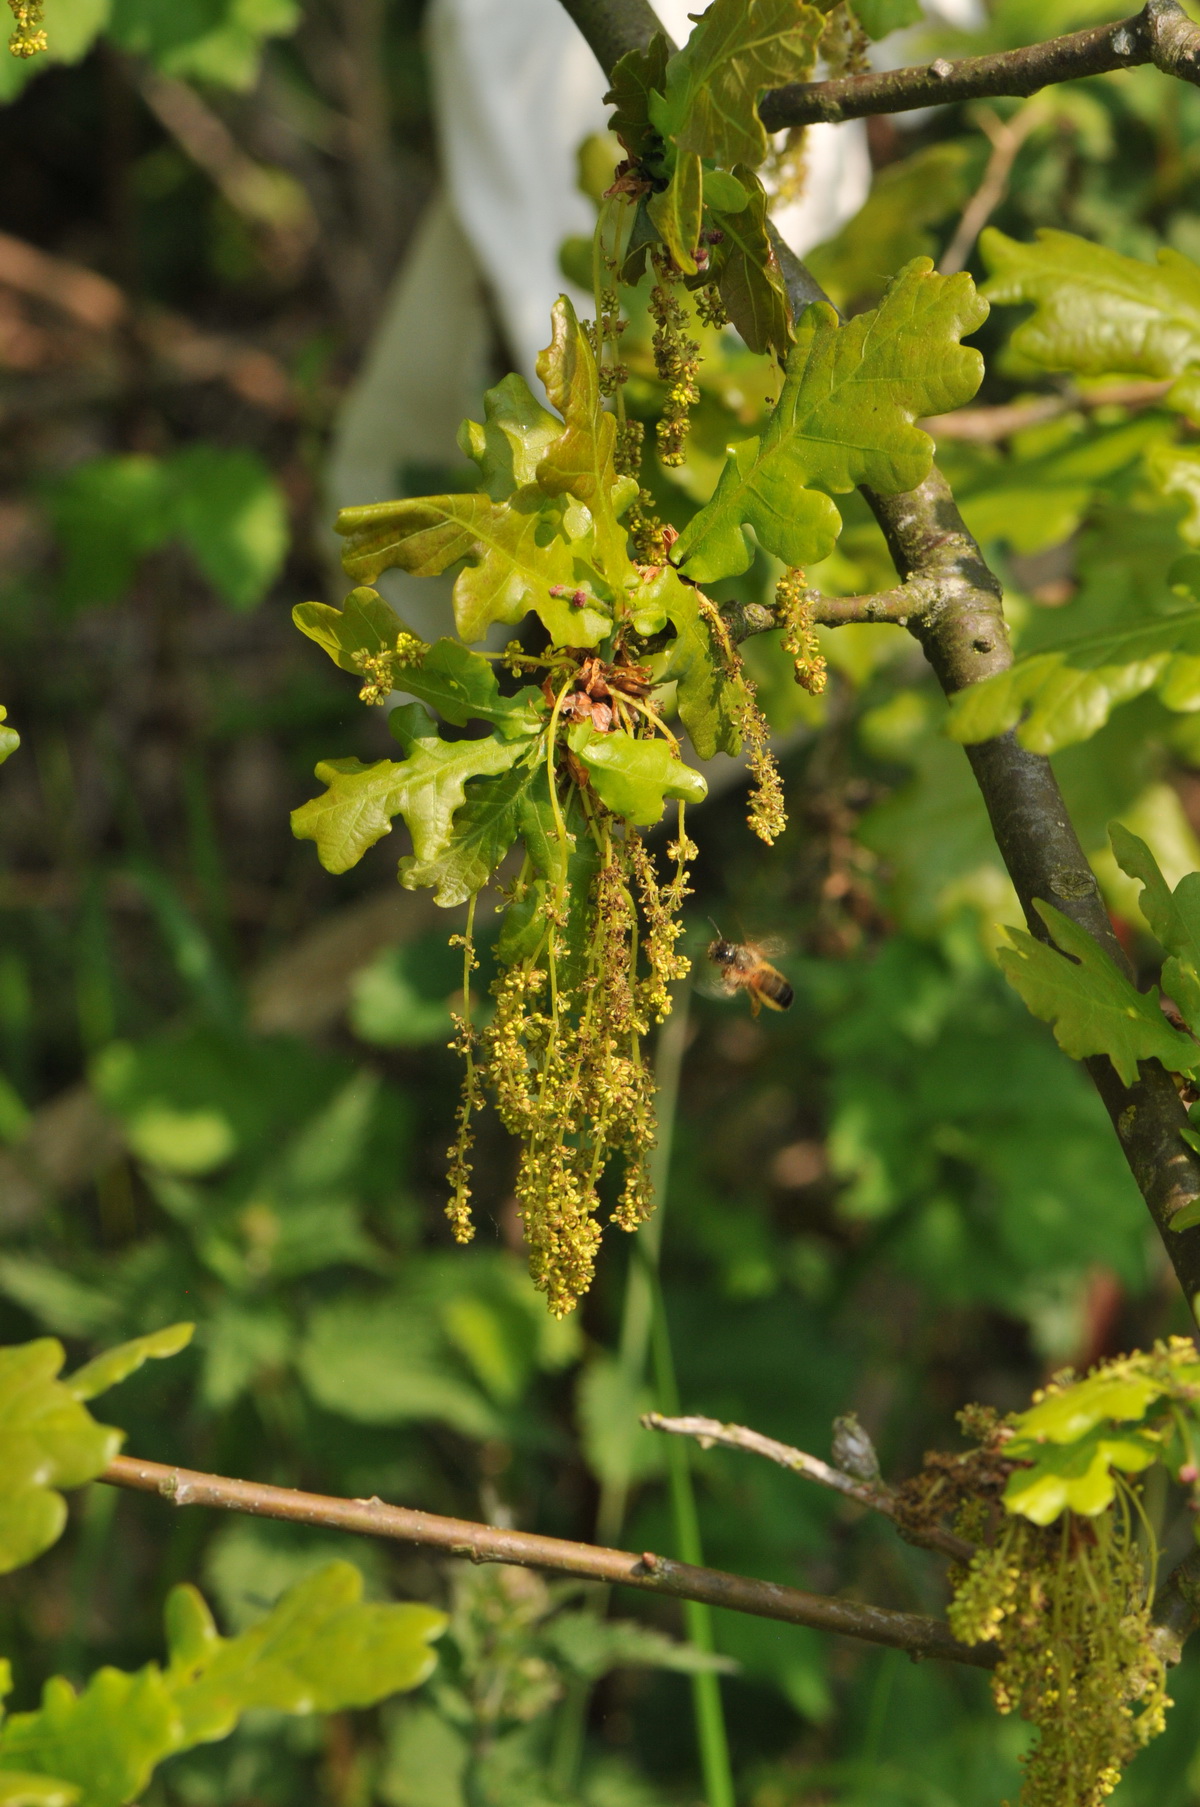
(743, 966)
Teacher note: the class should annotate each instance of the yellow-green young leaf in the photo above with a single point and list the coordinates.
(106, 1740)
(710, 700)
(1077, 1409)
(115, 1365)
(634, 777)
(515, 436)
(484, 829)
(18, 1790)
(677, 213)
(364, 624)
(1095, 311)
(516, 552)
(48, 1439)
(359, 802)
(10, 740)
(1092, 1005)
(564, 871)
(713, 85)
(321, 1649)
(1175, 471)
(1174, 916)
(845, 416)
(1056, 698)
(1077, 1477)
(748, 275)
(462, 687)
(580, 461)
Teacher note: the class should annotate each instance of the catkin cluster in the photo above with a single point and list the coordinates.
(565, 1067)
(1069, 1607)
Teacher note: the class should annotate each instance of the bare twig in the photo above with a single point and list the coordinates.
(986, 426)
(1161, 34)
(877, 1497)
(489, 1543)
(1007, 136)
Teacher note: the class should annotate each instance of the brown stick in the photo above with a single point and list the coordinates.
(1161, 34)
(488, 1543)
(877, 1496)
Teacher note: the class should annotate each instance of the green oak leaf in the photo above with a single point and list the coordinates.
(484, 829)
(1092, 1005)
(845, 416)
(48, 1438)
(462, 687)
(709, 699)
(115, 1365)
(1077, 1476)
(1065, 694)
(1077, 1409)
(364, 624)
(515, 436)
(1174, 917)
(10, 740)
(1175, 472)
(24, 1790)
(321, 1649)
(516, 551)
(580, 461)
(678, 212)
(635, 78)
(709, 104)
(632, 777)
(748, 275)
(1098, 312)
(359, 802)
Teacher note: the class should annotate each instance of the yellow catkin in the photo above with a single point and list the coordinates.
(28, 38)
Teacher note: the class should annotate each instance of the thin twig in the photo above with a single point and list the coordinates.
(1161, 34)
(877, 1496)
(1007, 136)
(489, 1543)
(987, 426)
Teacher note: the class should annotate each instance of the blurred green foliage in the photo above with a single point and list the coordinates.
(227, 1094)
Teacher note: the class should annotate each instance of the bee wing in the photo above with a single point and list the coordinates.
(711, 982)
(772, 947)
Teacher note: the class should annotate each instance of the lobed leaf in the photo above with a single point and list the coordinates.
(635, 78)
(708, 697)
(515, 436)
(568, 868)
(1064, 695)
(484, 829)
(462, 687)
(739, 48)
(677, 214)
(1092, 1005)
(364, 624)
(360, 801)
(632, 777)
(1077, 1476)
(1174, 917)
(1096, 311)
(845, 416)
(749, 278)
(321, 1649)
(48, 1439)
(579, 462)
